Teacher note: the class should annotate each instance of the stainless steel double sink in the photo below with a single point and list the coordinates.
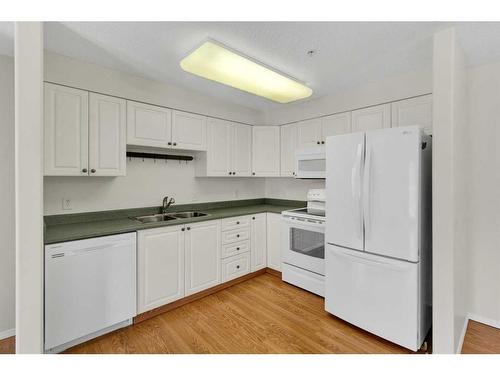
(167, 217)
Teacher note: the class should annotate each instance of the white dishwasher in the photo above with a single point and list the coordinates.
(90, 289)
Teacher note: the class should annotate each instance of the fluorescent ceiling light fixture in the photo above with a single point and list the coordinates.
(217, 63)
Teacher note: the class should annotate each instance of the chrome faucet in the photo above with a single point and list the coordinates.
(166, 204)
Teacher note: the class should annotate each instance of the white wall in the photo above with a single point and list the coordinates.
(384, 91)
(483, 153)
(145, 184)
(7, 218)
(64, 70)
(450, 295)
(29, 186)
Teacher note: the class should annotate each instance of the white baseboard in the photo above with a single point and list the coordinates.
(462, 335)
(477, 318)
(7, 333)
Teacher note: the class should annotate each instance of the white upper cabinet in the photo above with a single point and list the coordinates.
(266, 151)
(189, 131)
(148, 125)
(219, 148)
(229, 150)
(371, 118)
(241, 155)
(202, 256)
(335, 125)
(258, 242)
(160, 267)
(107, 135)
(308, 133)
(66, 131)
(288, 149)
(414, 111)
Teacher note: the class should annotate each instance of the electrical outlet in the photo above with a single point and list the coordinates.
(66, 204)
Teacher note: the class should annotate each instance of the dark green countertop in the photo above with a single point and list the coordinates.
(61, 228)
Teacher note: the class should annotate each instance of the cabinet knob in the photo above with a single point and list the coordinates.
(237, 222)
(92, 170)
(253, 173)
(175, 143)
(237, 248)
(318, 142)
(188, 228)
(322, 142)
(183, 229)
(230, 173)
(234, 173)
(169, 143)
(238, 266)
(84, 170)
(253, 218)
(237, 235)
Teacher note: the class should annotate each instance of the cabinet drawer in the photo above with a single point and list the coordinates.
(235, 266)
(236, 235)
(235, 222)
(235, 248)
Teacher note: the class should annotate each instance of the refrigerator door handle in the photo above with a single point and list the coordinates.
(356, 188)
(355, 256)
(367, 189)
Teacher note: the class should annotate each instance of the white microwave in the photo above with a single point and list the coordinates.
(311, 162)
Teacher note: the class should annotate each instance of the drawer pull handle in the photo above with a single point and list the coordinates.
(237, 235)
(238, 266)
(237, 222)
(237, 248)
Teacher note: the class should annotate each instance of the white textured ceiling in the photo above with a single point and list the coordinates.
(347, 53)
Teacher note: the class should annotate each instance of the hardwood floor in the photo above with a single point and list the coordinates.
(260, 315)
(481, 339)
(8, 345)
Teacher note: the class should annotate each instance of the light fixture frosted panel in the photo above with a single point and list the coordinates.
(214, 62)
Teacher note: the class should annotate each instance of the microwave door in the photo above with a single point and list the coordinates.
(311, 166)
(344, 171)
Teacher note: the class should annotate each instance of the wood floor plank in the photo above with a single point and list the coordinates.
(481, 339)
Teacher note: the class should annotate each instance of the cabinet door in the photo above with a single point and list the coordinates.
(288, 149)
(107, 135)
(203, 255)
(242, 150)
(219, 147)
(160, 267)
(65, 131)
(148, 125)
(414, 111)
(189, 131)
(308, 133)
(371, 118)
(274, 241)
(258, 242)
(266, 151)
(335, 125)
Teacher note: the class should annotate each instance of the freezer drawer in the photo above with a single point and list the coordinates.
(375, 293)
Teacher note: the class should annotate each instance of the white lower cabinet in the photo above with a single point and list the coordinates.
(203, 253)
(160, 266)
(274, 241)
(235, 266)
(258, 242)
(176, 261)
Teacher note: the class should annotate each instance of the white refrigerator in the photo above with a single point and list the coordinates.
(378, 232)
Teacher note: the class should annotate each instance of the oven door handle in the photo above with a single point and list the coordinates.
(294, 222)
